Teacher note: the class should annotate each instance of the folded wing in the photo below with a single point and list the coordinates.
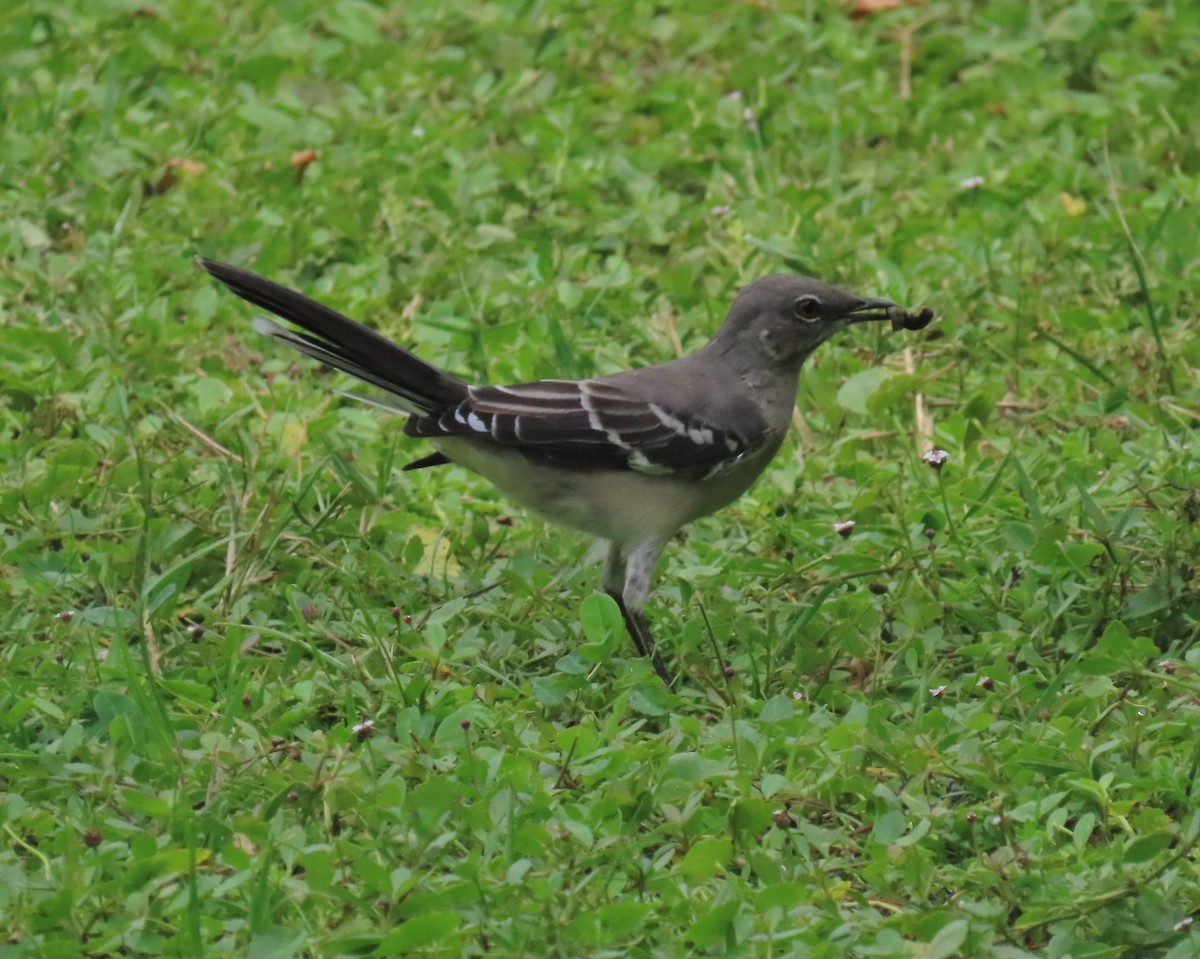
(591, 423)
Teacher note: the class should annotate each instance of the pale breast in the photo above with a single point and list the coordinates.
(621, 506)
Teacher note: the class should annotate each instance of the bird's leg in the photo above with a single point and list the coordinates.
(614, 584)
(639, 629)
(627, 580)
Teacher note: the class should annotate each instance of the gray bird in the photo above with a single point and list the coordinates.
(630, 457)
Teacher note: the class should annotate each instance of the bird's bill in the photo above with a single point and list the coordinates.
(866, 310)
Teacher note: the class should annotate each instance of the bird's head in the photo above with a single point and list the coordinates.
(787, 317)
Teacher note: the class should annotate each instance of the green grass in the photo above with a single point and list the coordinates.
(968, 729)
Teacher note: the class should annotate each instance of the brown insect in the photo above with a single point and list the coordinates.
(902, 319)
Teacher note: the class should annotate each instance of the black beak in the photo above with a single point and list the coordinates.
(866, 310)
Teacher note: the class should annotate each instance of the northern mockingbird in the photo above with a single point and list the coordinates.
(629, 457)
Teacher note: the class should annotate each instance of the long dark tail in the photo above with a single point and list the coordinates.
(343, 344)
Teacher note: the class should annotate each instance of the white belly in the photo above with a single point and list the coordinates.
(621, 506)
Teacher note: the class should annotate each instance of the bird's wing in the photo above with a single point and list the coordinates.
(594, 423)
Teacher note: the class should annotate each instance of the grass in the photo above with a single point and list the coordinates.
(263, 696)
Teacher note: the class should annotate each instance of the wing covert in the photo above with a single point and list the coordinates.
(591, 424)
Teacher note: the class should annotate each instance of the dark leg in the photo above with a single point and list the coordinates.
(639, 632)
(627, 580)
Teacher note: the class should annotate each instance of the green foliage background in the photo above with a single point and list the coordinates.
(969, 728)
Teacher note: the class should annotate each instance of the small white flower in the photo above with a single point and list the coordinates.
(971, 183)
(935, 458)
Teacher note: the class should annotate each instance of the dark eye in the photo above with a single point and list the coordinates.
(807, 308)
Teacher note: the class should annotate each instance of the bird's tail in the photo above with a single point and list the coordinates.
(343, 344)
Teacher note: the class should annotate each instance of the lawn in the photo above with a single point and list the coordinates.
(263, 695)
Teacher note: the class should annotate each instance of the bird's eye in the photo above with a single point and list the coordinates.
(807, 308)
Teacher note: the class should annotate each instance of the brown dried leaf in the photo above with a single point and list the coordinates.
(186, 165)
(162, 185)
(411, 307)
(301, 160)
(866, 8)
(172, 174)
